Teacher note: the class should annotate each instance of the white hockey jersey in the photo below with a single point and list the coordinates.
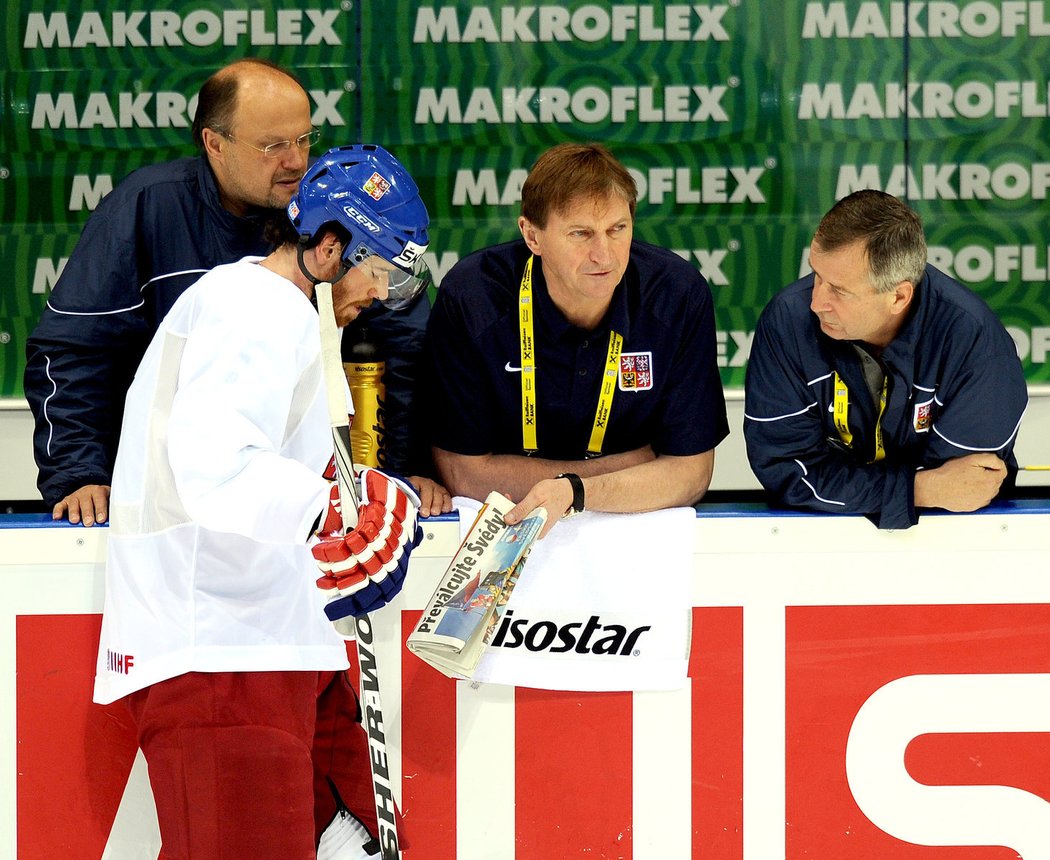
(217, 482)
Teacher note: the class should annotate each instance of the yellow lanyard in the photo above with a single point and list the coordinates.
(528, 374)
(841, 414)
(528, 360)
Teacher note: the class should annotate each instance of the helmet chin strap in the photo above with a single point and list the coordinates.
(343, 267)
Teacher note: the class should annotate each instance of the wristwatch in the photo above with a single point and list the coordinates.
(577, 494)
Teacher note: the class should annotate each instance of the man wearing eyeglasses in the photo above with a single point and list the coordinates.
(152, 237)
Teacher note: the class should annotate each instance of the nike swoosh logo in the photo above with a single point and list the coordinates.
(510, 369)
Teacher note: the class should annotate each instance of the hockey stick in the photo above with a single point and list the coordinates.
(338, 417)
(371, 701)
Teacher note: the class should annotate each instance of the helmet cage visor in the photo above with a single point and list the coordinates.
(397, 284)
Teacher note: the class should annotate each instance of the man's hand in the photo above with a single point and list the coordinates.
(365, 568)
(88, 505)
(554, 494)
(433, 497)
(963, 484)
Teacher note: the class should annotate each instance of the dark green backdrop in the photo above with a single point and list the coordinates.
(743, 121)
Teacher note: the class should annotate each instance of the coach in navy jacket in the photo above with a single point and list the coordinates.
(878, 385)
(575, 367)
(155, 234)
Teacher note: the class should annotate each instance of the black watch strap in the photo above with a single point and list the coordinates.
(577, 493)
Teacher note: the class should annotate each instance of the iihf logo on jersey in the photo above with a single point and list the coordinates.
(119, 663)
(923, 416)
(636, 371)
(376, 186)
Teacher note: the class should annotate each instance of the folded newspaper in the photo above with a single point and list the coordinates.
(462, 614)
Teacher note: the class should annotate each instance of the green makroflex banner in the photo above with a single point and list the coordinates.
(742, 123)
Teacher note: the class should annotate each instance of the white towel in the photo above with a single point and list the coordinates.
(603, 603)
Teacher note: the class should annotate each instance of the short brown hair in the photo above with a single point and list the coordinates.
(573, 171)
(891, 231)
(217, 99)
(279, 231)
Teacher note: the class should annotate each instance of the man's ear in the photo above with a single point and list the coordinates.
(329, 245)
(903, 293)
(212, 141)
(529, 234)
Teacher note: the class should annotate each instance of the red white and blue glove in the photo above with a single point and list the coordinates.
(365, 568)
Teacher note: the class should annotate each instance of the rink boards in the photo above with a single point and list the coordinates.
(852, 694)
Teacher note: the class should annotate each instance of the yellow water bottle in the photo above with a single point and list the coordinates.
(364, 374)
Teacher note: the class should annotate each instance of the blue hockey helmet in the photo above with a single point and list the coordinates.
(368, 192)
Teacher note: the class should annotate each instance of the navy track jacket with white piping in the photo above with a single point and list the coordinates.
(954, 387)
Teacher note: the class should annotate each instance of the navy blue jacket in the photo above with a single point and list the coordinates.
(155, 234)
(955, 387)
(662, 308)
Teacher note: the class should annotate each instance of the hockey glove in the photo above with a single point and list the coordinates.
(365, 568)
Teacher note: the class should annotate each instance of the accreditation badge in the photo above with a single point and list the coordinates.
(636, 371)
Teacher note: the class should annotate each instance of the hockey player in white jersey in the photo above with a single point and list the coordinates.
(213, 632)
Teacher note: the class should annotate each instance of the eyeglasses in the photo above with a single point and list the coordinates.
(274, 150)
